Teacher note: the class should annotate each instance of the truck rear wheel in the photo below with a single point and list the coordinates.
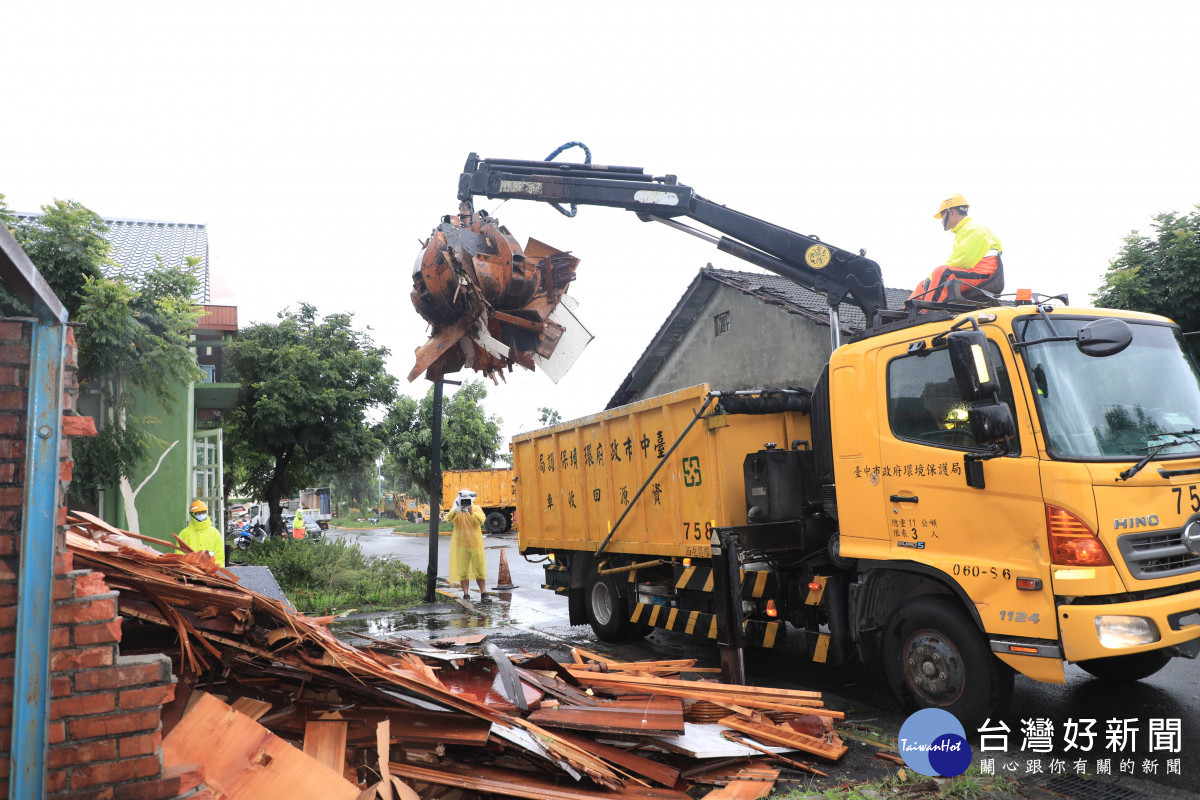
(496, 522)
(1125, 669)
(935, 656)
(608, 612)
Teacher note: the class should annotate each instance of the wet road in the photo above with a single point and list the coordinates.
(535, 619)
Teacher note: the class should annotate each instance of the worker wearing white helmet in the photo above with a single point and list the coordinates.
(466, 544)
(974, 261)
(200, 533)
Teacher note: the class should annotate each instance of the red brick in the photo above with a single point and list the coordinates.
(12, 448)
(114, 725)
(13, 400)
(127, 673)
(60, 686)
(98, 633)
(55, 782)
(14, 354)
(115, 772)
(75, 425)
(81, 658)
(176, 781)
(8, 617)
(60, 637)
(87, 610)
(11, 496)
(146, 698)
(8, 473)
(142, 745)
(56, 733)
(90, 583)
(15, 331)
(82, 705)
(11, 424)
(104, 793)
(6, 572)
(7, 539)
(65, 471)
(11, 376)
(8, 642)
(70, 755)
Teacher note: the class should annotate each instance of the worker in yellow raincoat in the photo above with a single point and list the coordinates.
(298, 525)
(974, 261)
(466, 544)
(200, 533)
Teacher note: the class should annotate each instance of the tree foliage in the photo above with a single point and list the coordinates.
(307, 386)
(68, 247)
(470, 437)
(1158, 274)
(549, 416)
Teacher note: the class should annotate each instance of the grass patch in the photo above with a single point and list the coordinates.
(332, 578)
(904, 782)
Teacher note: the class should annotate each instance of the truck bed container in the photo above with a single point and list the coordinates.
(578, 477)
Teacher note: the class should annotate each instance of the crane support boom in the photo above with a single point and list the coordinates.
(805, 260)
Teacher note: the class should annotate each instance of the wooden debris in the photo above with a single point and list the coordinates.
(304, 711)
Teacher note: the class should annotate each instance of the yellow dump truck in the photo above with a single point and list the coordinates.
(976, 485)
(1003, 490)
(494, 490)
(397, 505)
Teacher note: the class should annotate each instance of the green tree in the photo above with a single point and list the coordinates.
(1158, 274)
(68, 247)
(470, 437)
(308, 385)
(549, 416)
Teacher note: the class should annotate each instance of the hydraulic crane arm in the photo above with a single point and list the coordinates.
(805, 260)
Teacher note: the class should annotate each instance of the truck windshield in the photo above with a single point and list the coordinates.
(1145, 398)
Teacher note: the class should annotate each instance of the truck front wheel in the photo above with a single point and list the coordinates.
(607, 611)
(935, 656)
(1125, 669)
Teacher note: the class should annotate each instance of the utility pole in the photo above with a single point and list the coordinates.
(435, 489)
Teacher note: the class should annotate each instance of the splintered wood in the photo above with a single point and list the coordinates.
(274, 705)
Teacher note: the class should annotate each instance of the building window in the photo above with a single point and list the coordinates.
(722, 322)
(210, 373)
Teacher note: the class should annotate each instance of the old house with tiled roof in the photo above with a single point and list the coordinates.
(740, 330)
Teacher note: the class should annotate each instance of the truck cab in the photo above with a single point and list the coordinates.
(1077, 539)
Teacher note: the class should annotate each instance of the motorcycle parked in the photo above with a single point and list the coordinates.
(249, 534)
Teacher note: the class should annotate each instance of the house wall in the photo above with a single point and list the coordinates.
(162, 502)
(765, 346)
(105, 708)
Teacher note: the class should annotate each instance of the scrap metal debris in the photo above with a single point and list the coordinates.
(491, 303)
(270, 698)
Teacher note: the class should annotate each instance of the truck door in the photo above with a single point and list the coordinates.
(985, 538)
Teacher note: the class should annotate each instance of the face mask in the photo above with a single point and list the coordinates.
(200, 517)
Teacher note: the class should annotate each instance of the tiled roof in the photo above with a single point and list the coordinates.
(135, 243)
(777, 290)
(771, 289)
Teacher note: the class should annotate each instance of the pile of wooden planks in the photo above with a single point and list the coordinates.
(268, 699)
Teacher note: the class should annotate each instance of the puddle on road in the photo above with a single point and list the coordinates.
(433, 621)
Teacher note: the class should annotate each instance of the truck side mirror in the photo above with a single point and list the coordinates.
(972, 365)
(991, 422)
(1104, 337)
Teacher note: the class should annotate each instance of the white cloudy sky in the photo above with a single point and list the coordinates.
(320, 142)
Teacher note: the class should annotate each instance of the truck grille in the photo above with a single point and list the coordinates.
(1159, 554)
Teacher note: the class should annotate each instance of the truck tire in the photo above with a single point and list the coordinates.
(1125, 669)
(496, 522)
(935, 656)
(607, 611)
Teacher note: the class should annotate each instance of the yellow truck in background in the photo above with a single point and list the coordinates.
(494, 494)
(961, 497)
(397, 505)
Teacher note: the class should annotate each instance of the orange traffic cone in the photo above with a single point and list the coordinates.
(505, 578)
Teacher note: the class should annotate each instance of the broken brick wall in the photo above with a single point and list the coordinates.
(105, 708)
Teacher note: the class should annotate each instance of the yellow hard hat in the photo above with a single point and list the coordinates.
(197, 507)
(953, 201)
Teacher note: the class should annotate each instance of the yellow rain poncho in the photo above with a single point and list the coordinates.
(466, 545)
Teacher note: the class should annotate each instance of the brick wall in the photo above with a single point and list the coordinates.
(105, 709)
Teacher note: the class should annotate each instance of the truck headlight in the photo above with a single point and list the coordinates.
(1118, 632)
